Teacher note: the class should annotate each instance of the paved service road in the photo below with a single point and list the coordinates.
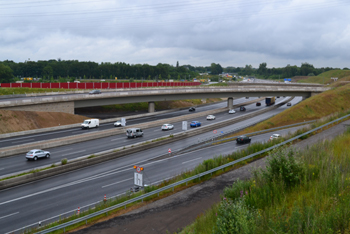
(77, 130)
(27, 204)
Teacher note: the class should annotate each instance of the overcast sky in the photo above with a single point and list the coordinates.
(198, 32)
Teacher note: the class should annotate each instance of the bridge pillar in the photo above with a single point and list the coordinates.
(151, 107)
(230, 103)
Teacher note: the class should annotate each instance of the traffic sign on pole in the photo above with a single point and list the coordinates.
(169, 150)
(215, 131)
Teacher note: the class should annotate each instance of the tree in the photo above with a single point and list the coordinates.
(177, 64)
(262, 69)
(216, 69)
(5, 74)
(47, 71)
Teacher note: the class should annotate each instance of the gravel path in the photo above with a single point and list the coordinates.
(173, 213)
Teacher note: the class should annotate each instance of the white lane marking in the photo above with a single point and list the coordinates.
(23, 140)
(191, 160)
(118, 138)
(117, 182)
(8, 215)
(155, 130)
(18, 138)
(63, 150)
(74, 152)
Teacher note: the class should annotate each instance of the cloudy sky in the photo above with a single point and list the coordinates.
(196, 32)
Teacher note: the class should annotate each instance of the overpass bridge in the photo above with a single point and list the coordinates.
(68, 102)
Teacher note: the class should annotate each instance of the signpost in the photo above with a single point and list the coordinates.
(169, 151)
(123, 122)
(215, 131)
(184, 125)
(138, 176)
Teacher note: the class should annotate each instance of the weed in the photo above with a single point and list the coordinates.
(64, 161)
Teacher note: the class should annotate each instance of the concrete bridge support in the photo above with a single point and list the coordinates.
(230, 103)
(309, 95)
(151, 107)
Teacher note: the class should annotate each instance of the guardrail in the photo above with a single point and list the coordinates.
(172, 186)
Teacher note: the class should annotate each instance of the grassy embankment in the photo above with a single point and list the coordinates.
(299, 192)
(316, 107)
(325, 78)
(11, 91)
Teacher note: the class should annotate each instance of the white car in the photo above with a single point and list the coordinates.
(167, 127)
(118, 124)
(37, 153)
(274, 136)
(231, 111)
(210, 117)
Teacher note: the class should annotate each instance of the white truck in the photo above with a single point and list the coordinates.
(90, 123)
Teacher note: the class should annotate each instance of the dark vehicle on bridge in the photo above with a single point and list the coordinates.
(258, 104)
(95, 92)
(242, 108)
(192, 109)
(243, 139)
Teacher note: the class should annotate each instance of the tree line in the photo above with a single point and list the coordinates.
(68, 70)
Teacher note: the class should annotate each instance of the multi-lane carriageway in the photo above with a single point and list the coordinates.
(57, 196)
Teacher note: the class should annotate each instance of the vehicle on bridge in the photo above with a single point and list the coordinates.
(35, 154)
(95, 92)
(195, 124)
(134, 132)
(270, 101)
(90, 123)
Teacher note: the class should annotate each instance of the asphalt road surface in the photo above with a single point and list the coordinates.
(61, 195)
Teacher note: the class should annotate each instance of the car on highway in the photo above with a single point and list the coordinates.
(118, 124)
(167, 127)
(243, 139)
(95, 92)
(191, 109)
(35, 154)
(195, 124)
(278, 96)
(210, 117)
(242, 108)
(275, 136)
(232, 111)
(246, 97)
(134, 132)
(289, 104)
(258, 104)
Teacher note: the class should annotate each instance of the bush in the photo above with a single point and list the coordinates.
(282, 166)
(64, 161)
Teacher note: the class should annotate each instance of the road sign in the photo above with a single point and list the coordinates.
(123, 122)
(184, 125)
(215, 131)
(222, 131)
(138, 169)
(169, 150)
(138, 179)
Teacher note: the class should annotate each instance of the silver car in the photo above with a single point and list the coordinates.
(37, 153)
(167, 127)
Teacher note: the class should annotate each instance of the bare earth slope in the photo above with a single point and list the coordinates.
(14, 121)
(173, 213)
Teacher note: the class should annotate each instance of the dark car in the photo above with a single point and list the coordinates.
(95, 92)
(243, 139)
(242, 108)
(192, 109)
(258, 104)
(289, 104)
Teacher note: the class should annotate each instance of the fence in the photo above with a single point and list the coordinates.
(172, 186)
(97, 85)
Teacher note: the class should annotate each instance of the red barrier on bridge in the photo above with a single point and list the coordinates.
(97, 85)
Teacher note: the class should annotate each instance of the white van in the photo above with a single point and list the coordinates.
(90, 123)
(134, 132)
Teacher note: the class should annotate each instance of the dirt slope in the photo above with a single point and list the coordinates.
(14, 121)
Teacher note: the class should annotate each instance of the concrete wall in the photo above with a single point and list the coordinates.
(65, 107)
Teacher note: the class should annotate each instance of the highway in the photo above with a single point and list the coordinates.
(27, 204)
(77, 130)
(18, 163)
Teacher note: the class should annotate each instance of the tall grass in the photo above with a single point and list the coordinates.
(299, 192)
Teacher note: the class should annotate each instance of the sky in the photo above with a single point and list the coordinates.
(199, 32)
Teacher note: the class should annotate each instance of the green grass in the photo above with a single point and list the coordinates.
(11, 91)
(325, 77)
(299, 192)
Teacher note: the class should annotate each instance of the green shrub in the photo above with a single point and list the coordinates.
(64, 161)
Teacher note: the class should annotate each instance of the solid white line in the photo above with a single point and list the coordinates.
(118, 139)
(8, 215)
(22, 140)
(74, 152)
(63, 150)
(191, 160)
(117, 182)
